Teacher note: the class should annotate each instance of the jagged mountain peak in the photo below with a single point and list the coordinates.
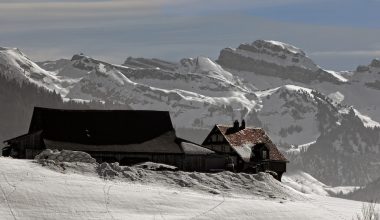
(277, 46)
(79, 56)
(13, 49)
(204, 65)
(375, 63)
(275, 59)
(286, 89)
(275, 52)
(14, 64)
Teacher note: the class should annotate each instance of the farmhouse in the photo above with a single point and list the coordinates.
(247, 149)
(130, 137)
(123, 136)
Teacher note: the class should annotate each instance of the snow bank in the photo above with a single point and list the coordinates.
(260, 185)
(307, 184)
(30, 191)
(65, 156)
(156, 166)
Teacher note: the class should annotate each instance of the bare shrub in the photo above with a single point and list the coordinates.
(369, 212)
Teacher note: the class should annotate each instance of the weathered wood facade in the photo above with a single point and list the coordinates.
(248, 149)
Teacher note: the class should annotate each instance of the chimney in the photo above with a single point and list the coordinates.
(242, 126)
(236, 125)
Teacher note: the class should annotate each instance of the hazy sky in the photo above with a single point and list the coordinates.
(337, 34)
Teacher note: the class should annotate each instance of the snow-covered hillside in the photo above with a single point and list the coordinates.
(198, 95)
(347, 154)
(295, 115)
(305, 183)
(30, 191)
(15, 65)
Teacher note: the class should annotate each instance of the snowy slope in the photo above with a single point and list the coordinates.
(295, 115)
(347, 154)
(16, 65)
(30, 191)
(189, 109)
(305, 183)
(200, 93)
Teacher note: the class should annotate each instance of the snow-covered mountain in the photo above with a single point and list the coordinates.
(347, 154)
(368, 75)
(295, 115)
(273, 58)
(270, 84)
(16, 65)
(198, 94)
(270, 64)
(149, 63)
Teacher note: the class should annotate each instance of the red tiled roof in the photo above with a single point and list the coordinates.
(243, 140)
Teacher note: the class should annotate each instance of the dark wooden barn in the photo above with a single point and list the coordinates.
(248, 149)
(124, 136)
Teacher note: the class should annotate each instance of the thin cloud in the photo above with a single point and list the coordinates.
(31, 9)
(367, 53)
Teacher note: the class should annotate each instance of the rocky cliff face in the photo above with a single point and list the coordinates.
(272, 58)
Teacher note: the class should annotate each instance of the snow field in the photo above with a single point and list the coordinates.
(30, 191)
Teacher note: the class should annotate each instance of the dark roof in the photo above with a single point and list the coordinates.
(18, 138)
(162, 144)
(165, 143)
(243, 140)
(99, 127)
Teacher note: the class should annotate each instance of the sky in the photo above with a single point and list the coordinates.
(336, 34)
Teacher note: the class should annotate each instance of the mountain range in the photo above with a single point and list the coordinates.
(326, 121)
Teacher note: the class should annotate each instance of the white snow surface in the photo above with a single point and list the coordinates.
(16, 65)
(305, 183)
(74, 191)
(337, 75)
(337, 97)
(286, 46)
(367, 121)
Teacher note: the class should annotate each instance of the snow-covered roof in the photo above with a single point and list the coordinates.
(193, 149)
(242, 141)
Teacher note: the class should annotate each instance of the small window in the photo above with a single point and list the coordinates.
(265, 156)
(220, 138)
(213, 138)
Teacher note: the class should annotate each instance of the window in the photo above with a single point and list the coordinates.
(213, 138)
(265, 156)
(220, 138)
